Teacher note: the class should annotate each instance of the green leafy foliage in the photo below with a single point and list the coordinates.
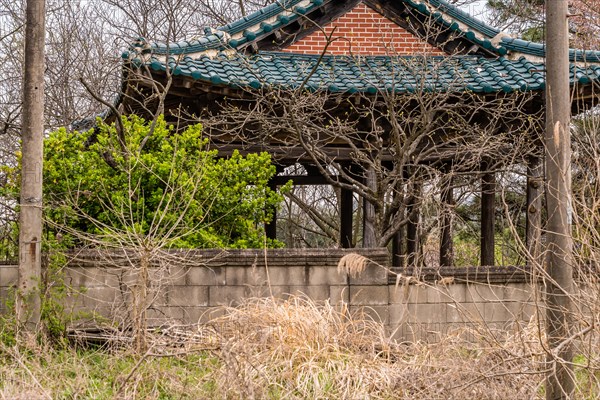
(152, 181)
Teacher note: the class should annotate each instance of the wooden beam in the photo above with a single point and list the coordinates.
(300, 180)
(289, 154)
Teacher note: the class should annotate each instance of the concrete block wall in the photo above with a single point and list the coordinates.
(429, 310)
(8, 277)
(192, 285)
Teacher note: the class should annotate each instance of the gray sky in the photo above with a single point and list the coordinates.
(476, 9)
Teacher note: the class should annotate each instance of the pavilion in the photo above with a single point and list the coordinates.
(291, 46)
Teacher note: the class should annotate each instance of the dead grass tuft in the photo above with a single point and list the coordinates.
(352, 264)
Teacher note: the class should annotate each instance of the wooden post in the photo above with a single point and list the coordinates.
(488, 198)
(398, 238)
(28, 302)
(397, 249)
(369, 236)
(271, 227)
(446, 245)
(533, 224)
(560, 378)
(346, 211)
(412, 227)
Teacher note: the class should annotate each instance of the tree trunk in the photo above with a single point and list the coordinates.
(535, 187)
(559, 383)
(140, 303)
(30, 219)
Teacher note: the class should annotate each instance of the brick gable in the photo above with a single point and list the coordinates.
(363, 31)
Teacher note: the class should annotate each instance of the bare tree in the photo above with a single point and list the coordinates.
(310, 216)
(527, 18)
(394, 139)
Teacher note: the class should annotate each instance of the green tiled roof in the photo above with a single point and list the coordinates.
(488, 33)
(342, 74)
(273, 10)
(516, 66)
(212, 39)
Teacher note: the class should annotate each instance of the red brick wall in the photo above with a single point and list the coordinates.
(366, 32)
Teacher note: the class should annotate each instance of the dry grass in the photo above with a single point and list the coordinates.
(296, 349)
(286, 349)
(352, 264)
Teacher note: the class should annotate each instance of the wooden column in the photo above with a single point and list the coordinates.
(346, 210)
(446, 245)
(412, 226)
(398, 255)
(533, 225)
(397, 249)
(412, 234)
(369, 238)
(398, 246)
(271, 227)
(488, 197)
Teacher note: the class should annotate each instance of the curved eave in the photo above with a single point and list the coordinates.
(271, 11)
(371, 75)
(453, 18)
(459, 15)
(534, 49)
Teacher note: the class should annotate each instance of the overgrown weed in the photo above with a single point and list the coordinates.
(269, 348)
